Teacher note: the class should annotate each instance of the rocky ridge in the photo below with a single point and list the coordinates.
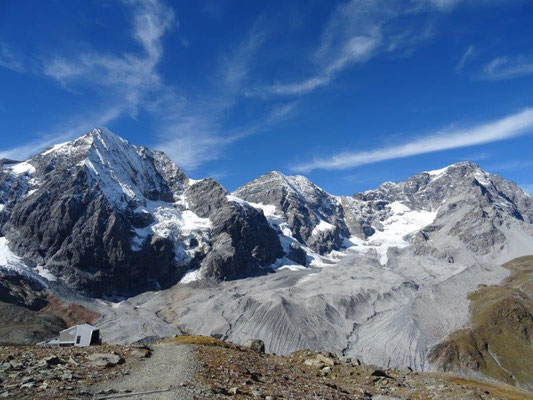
(106, 217)
(310, 215)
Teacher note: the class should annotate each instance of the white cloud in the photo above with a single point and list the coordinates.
(356, 49)
(190, 125)
(122, 82)
(125, 80)
(467, 55)
(357, 31)
(442, 4)
(198, 138)
(508, 127)
(193, 129)
(8, 59)
(508, 68)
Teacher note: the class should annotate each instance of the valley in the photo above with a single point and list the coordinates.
(395, 277)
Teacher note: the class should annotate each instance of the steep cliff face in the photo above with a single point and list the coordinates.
(105, 216)
(310, 215)
(243, 243)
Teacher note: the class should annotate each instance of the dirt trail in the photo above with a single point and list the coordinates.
(167, 374)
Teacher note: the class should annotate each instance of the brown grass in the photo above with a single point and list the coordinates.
(498, 344)
(200, 340)
(495, 389)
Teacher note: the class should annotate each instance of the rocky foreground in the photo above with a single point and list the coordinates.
(197, 367)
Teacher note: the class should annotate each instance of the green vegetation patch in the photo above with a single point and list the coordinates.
(499, 343)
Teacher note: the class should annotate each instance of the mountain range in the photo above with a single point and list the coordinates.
(383, 275)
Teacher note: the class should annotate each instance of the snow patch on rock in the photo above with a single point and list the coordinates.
(174, 224)
(42, 271)
(22, 168)
(9, 261)
(396, 228)
(191, 275)
(437, 172)
(322, 227)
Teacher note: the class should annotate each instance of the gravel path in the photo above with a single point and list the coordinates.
(167, 374)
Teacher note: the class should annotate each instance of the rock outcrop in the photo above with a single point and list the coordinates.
(313, 217)
(107, 217)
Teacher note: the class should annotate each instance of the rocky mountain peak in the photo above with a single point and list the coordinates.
(315, 218)
(126, 174)
(123, 217)
(429, 190)
(463, 166)
(294, 186)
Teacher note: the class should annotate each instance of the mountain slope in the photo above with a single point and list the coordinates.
(396, 291)
(382, 275)
(105, 216)
(499, 342)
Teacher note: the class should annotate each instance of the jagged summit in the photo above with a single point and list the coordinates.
(313, 217)
(461, 164)
(119, 217)
(428, 190)
(297, 184)
(125, 173)
(97, 137)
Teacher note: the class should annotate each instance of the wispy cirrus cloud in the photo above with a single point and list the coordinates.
(125, 79)
(514, 125)
(123, 82)
(8, 59)
(192, 128)
(357, 49)
(192, 140)
(190, 124)
(507, 68)
(467, 55)
(356, 32)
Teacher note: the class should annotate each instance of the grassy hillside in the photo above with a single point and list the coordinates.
(499, 344)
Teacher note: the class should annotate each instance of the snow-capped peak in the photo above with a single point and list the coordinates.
(437, 172)
(297, 185)
(464, 166)
(125, 173)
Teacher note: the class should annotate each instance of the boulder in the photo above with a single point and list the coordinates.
(49, 361)
(255, 344)
(105, 359)
(313, 362)
(141, 352)
(327, 360)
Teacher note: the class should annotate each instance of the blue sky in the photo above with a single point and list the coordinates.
(348, 93)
